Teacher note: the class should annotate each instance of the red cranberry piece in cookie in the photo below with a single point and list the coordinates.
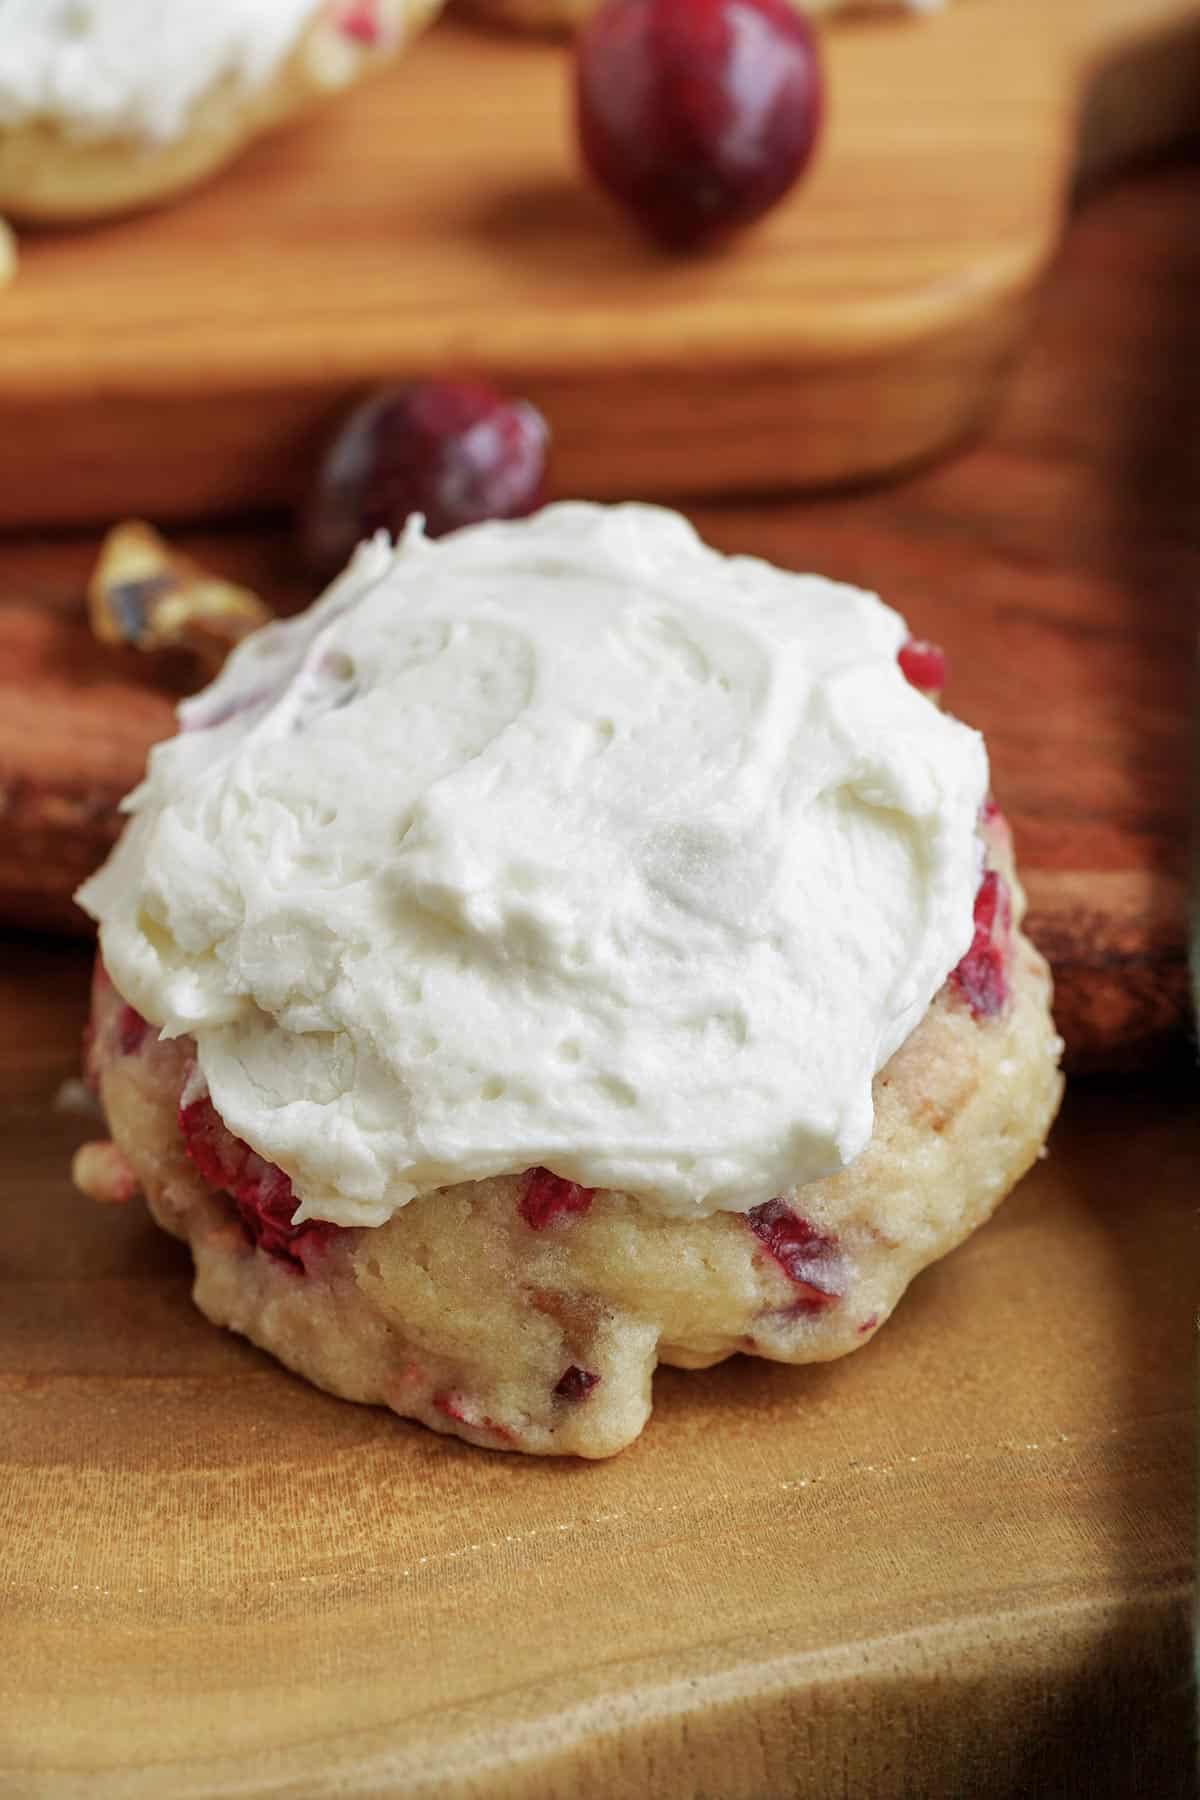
(982, 976)
(548, 1197)
(127, 1032)
(261, 1192)
(924, 665)
(994, 826)
(811, 1259)
(456, 451)
(454, 1405)
(698, 115)
(131, 1031)
(576, 1383)
(359, 21)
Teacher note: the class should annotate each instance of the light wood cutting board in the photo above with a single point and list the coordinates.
(956, 1563)
(187, 361)
(1058, 561)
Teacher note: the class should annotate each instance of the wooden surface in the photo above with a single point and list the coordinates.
(1059, 561)
(194, 357)
(957, 1562)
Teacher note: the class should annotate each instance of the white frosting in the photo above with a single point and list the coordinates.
(566, 842)
(136, 67)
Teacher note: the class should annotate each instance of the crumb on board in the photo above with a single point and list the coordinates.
(103, 1173)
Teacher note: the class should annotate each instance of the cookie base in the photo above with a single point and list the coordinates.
(50, 176)
(543, 1337)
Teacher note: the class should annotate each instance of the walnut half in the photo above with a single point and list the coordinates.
(144, 594)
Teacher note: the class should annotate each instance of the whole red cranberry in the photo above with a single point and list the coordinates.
(456, 451)
(697, 114)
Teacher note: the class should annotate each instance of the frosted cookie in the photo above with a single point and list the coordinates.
(565, 949)
(566, 15)
(109, 105)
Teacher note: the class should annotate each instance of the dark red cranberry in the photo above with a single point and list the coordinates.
(697, 114)
(924, 664)
(261, 1192)
(131, 1031)
(982, 975)
(456, 451)
(576, 1383)
(810, 1258)
(548, 1197)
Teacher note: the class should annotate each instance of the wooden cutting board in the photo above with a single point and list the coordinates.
(188, 361)
(1058, 561)
(956, 1563)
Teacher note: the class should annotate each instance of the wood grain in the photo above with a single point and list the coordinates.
(957, 1562)
(1059, 561)
(192, 358)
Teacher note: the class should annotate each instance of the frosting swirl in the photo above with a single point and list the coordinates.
(566, 842)
(137, 67)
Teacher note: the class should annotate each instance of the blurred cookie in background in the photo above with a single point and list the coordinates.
(111, 105)
(565, 15)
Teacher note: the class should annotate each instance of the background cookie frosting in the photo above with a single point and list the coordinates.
(136, 67)
(567, 842)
